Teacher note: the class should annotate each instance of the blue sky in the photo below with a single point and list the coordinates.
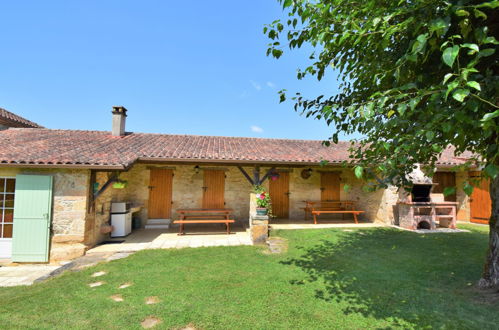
(180, 67)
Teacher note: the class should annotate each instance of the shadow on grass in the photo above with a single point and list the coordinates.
(403, 278)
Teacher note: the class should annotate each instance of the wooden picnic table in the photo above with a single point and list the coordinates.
(203, 215)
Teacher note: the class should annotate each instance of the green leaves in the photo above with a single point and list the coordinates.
(491, 115)
(276, 53)
(447, 77)
(440, 25)
(414, 79)
(359, 172)
(473, 48)
(492, 170)
(287, 3)
(449, 55)
(462, 12)
(468, 188)
(474, 84)
(460, 94)
(449, 191)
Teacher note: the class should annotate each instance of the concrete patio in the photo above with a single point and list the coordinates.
(24, 274)
(196, 236)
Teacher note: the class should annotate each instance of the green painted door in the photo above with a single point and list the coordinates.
(32, 214)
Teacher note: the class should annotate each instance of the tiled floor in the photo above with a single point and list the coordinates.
(24, 274)
(197, 236)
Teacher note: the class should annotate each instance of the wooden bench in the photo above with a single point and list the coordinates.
(327, 206)
(317, 213)
(227, 223)
(204, 215)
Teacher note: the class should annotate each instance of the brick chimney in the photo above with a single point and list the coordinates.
(119, 119)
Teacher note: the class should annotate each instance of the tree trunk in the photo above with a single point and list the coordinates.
(490, 276)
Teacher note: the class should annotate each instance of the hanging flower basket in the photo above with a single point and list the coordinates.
(120, 184)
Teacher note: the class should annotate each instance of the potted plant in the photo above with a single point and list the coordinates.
(263, 201)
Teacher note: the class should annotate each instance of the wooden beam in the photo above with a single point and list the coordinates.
(110, 180)
(256, 174)
(91, 199)
(266, 175)
(246, 175)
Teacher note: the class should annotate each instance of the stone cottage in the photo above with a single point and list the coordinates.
(62, 182)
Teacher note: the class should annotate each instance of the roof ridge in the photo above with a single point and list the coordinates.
(185, 135)
(12, 117)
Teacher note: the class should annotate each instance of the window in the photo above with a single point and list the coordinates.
(7, 189)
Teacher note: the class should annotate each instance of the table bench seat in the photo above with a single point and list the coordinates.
(355, 213)
(182, 222)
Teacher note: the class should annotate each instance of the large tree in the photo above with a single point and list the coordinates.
(417, 76)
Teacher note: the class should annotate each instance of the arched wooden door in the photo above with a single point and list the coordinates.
(330, 186)
(214, 189)
(279, 194)
(160, 194)
(480, 203)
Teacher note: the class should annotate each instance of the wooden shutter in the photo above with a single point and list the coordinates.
(214, 189)
(279, 194)
(444, 180)
(330, 186)
(32, 216)
(480, 203)
(160, 194)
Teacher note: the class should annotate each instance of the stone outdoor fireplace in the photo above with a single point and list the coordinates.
(417, 211)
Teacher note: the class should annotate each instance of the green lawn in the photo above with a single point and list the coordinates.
(369, 278)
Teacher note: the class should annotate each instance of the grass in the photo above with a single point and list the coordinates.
(365, 278)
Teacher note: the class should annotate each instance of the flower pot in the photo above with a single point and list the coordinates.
(261, 211)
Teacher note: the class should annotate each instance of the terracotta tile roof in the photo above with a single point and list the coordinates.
(10, 119)
(95, 148)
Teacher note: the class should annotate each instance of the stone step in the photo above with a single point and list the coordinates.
(157, 226)
(159, 221)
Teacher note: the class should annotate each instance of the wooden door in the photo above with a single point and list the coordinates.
(279, 195)
(444, 180)
(32, 218)
(480, 203)
(330, 186)
(160, 193)
(214, 189)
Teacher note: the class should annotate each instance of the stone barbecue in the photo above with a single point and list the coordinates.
(416, 210)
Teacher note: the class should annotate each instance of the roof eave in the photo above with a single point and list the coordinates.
(67, 166)
(231, 161)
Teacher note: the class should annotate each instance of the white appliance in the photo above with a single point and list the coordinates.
(121, 207)
(121, 219)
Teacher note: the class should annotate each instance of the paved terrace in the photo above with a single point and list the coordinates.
(207, 235)
(196, 236)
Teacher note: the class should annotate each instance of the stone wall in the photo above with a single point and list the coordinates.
(69, 211)
(187, 192)
(378, 205)
(73, 227)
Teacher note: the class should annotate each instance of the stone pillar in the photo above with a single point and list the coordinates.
(258, 224)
